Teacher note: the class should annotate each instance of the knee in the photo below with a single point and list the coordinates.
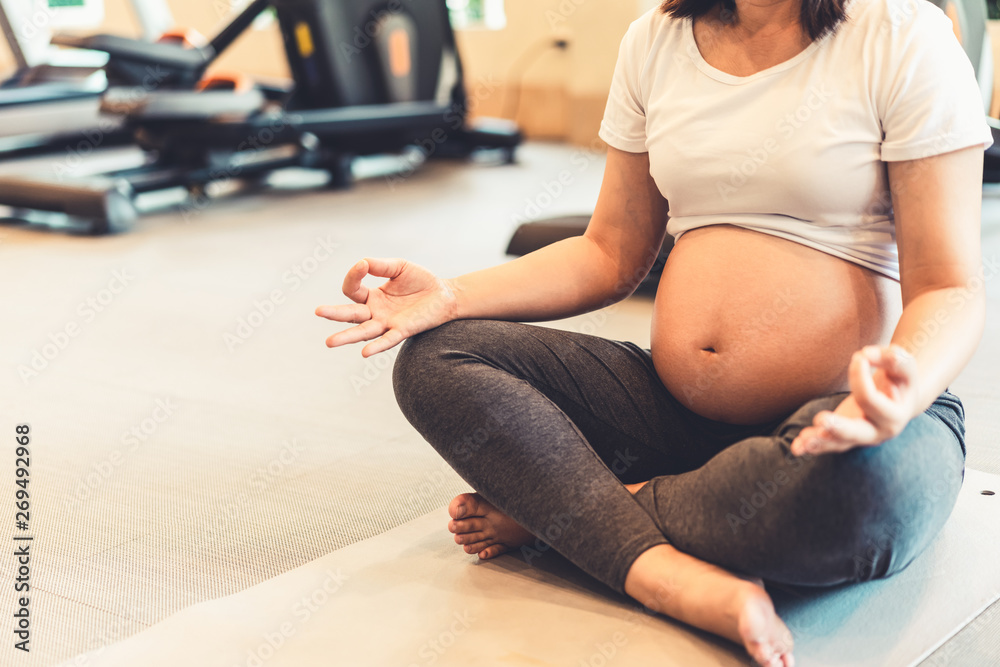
(418, 358)
(879, 507)
(426, 359)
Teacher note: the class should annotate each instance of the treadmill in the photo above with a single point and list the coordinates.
(52, 101)
(402, 88)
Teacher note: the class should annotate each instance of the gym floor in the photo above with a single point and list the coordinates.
(192, 435)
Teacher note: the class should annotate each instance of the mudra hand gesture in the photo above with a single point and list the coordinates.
(411, 301)
(882, 401)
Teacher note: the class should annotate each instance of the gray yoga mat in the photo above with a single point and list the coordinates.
(411, 597)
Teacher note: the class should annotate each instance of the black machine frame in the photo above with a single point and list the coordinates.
(337, 110)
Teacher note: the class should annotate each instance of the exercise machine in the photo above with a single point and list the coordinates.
(53, 98)
(369, 77)
(969, 16)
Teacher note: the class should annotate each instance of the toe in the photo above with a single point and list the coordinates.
(492, 551)
(466, 526)
(763, 654)
(473, 538)
(476, 547)
(463, 505)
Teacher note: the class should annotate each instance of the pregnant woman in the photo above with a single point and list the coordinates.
(820, 162)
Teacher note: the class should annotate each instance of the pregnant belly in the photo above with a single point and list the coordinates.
(747, 327)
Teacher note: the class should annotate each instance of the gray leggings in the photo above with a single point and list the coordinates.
(547, 425)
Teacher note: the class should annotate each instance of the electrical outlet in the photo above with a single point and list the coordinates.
(562, 37)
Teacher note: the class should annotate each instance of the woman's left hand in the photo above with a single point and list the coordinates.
(883, 399)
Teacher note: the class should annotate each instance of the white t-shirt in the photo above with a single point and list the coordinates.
(797, 150)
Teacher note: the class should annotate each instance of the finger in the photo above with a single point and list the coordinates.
(847, 430)
(353, 289)
(387, 341)
(803, 442)
(877, 406)
(366, 331)
(356, 313)
(385, 268)
(813, 440)
(898, 363)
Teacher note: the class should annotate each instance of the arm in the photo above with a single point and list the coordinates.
(937, 203)
(566, 278)
(940, 262)
(578, 274)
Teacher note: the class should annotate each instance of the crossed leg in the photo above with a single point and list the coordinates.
(549, 425)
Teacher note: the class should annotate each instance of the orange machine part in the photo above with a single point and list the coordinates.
(399, 53)
(234, 81)
(186, 37)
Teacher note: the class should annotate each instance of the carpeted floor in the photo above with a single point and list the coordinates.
(191, 434)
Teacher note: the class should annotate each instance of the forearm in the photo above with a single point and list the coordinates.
(941, 328)
(566, 278)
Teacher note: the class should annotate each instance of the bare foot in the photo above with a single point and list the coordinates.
(711, 598)
(485, 530)
(664, 579)
(482, 528)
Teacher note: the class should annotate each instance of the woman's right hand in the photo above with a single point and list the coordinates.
(411, 301)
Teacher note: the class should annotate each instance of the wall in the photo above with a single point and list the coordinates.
(562, 92)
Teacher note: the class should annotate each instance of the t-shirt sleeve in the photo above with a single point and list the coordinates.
(930, 103)
(624, 123)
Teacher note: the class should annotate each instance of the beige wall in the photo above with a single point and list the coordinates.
(563, 92)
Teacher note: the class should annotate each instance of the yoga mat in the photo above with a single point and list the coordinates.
(411, 597)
